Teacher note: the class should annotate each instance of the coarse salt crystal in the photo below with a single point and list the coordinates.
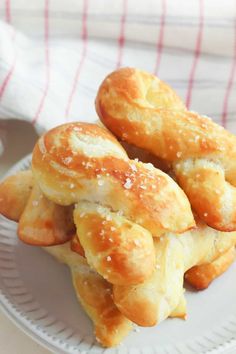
(128, 183)
(82, 214)
(179, 153)
(158, 266)
(205, 214)
(72, 186)
(35, 203)
(149, 166)
(137, 242)
(67, 160)
(143, 187)
(108, 258)
(133, 167)
(113, 228)
(88, 165)
(100, 183)
(108, 218)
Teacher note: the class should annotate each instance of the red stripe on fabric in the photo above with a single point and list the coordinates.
(84, 37)
(161, 37)
(121, 39)
(8, 77)
(47, 61)
(230, 84)
(11, 70)
(8, 11)
(197, 53)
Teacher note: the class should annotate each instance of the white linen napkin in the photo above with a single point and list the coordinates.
(55, 53)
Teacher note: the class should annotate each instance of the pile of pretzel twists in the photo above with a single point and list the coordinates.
(134, 206)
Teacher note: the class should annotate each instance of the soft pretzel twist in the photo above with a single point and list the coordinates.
(148, 303)
(144, 111)
(83, 164)
(155, 299)
(95, 295)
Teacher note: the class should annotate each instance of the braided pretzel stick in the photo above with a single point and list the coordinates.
(151, 302)
(83, 164)
(144, 111)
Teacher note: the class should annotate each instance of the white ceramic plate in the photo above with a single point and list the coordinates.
(36, 293)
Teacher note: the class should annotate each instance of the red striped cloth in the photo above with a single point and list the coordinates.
(54, 54)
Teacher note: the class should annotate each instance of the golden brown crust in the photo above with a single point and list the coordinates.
(95, 295)
(76, 246)
(79, 162)
(43, 223)
(142, 110)
(121, 251)
(152, 301)
(14, 193)
(70, 165)
(159, 296)
(131, 103)
(200, 277)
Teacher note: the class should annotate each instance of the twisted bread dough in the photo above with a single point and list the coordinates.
(155, 299)
(93, 292)
(44, 223)
(84, 164)
(202, 275)
(41, 222)
(142, 110)
(95, 295)
(14, 194)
